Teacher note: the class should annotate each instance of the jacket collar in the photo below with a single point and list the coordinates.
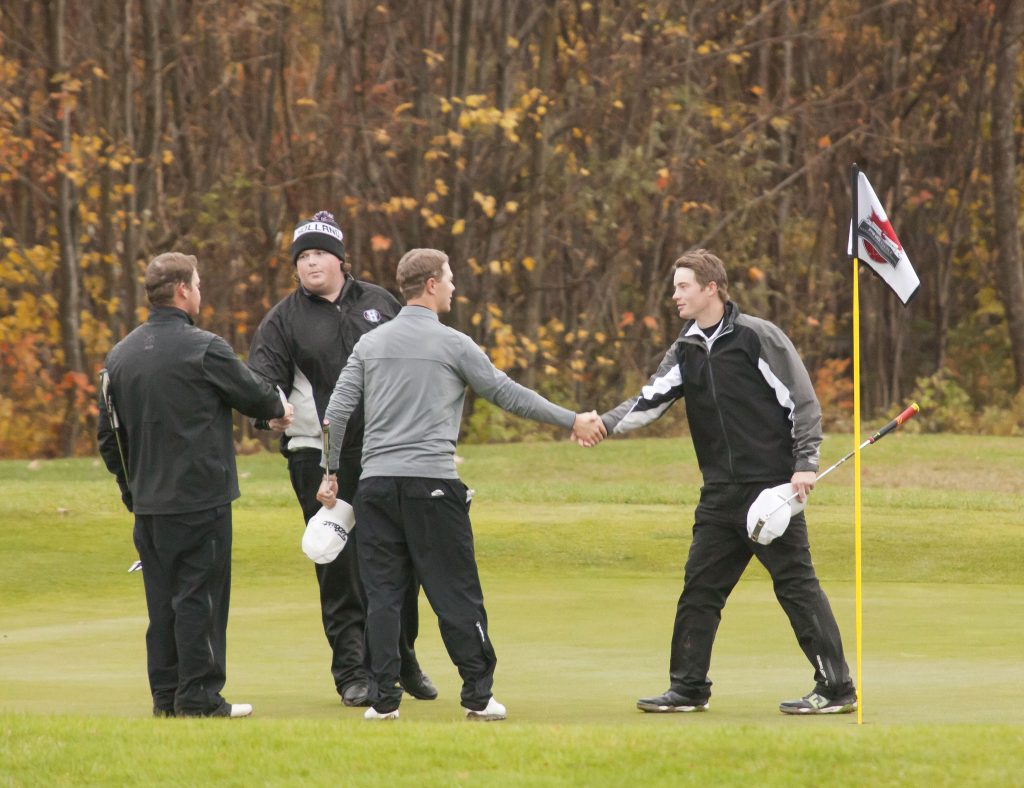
(168, 314)
(728, 323)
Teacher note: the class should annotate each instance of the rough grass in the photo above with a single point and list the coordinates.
(581, 556)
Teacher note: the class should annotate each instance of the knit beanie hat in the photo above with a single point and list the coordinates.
(320, 232)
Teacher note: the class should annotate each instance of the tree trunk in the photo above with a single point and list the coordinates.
(1004, 182)
(67, 205)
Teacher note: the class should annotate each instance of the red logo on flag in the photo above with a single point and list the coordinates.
(880, 241)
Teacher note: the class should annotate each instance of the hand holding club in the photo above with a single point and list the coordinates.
(328, 492)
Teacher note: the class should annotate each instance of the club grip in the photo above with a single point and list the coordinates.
(905, 416)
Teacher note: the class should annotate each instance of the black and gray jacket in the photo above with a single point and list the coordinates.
(750, 404)
(302, 345)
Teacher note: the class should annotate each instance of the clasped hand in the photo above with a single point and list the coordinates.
(282, 423)
(588, 429)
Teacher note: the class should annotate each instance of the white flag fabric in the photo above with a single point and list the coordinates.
(878, 246)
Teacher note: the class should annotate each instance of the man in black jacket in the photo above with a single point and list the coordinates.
(755, 423)
(165, 432)
(302, 345)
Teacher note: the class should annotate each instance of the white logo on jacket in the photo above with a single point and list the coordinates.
(371, 316)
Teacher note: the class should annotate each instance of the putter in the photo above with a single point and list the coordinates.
(115, 423)
(905, 416)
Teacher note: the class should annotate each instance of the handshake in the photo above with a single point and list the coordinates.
(588, 429)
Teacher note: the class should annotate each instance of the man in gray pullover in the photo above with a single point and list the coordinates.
(411, 508)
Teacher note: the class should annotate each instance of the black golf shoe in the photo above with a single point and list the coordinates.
(419, 686)
(816, 703)
(671, 701)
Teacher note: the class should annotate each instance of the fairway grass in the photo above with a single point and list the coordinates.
(581, 556)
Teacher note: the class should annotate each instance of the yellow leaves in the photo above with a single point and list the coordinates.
(454, 138)
(486, 202)
(404, 107)
(779, 123)
(381, 137)
(432, 59)
(459, 227)
(618, 104)
(755, 274)
(167, 157)
(757, 90)
(305, 101)
(511, 42)
(475, 100)
(380, 243)
(529, 263)
(433, 220)
(650, 322)
(495, 310)
(735, 58)
(824, 141)
(476, 318)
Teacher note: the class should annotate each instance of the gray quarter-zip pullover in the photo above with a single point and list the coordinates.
(411, 374)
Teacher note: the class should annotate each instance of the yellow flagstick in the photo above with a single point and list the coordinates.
(856, 488)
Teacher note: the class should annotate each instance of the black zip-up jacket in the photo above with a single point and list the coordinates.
(306, 332)
(173, 386)
(750, 404)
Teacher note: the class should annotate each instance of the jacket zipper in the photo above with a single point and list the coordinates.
(718, 409)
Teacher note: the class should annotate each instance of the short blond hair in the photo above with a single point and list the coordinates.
(416, 267)
(165, 272)
(707, 268)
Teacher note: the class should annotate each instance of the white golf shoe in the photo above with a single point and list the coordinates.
(372, 714)
(492, 712)
(241, 710)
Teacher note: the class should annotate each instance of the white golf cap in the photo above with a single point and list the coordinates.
(768, 517)
(327, 532)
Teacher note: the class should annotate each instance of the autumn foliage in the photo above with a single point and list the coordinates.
(563, 152)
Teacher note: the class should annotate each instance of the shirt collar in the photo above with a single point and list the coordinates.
(415, 310)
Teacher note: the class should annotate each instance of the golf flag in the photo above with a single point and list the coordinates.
(873, 241)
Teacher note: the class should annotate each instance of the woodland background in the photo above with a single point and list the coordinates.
(563, 152)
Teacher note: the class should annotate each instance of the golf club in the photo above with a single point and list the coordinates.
(905, 416)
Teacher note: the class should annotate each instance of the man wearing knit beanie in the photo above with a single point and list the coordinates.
(302, 345)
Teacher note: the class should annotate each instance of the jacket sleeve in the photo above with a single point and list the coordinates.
(781, 367)
(495, 386)
(111, 453)
(269, 357)
(664, 387)
(347, 395)
(239, 386)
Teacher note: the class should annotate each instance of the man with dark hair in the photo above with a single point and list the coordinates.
(302, 345)
(165, 432)
(755, 423)
(412, 511)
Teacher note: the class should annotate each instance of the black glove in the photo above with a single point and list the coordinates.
(126, 498)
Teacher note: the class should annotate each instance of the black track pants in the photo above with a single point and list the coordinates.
(421, 526)
(719, 553)
(342, 599)
(186, 569)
